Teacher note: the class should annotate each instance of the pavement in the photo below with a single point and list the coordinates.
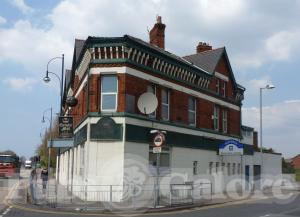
(261, 205)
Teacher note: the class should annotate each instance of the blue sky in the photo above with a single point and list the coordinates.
(262, 40)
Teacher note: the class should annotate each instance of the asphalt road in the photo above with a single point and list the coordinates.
(7, 184)
(259, 208)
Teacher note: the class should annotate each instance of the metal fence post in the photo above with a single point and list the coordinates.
(110, 193)
(85, 197)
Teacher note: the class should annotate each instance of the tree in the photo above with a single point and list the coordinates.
(42, 149)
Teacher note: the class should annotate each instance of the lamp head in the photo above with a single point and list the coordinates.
(47, 78)
(270, 86)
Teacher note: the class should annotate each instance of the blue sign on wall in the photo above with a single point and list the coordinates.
(231, 147)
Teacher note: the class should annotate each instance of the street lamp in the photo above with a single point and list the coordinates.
(267, 87)
(47, 79)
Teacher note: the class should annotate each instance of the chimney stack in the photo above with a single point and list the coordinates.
(157, 33)
(203, 46)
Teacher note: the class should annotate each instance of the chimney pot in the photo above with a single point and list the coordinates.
(157, 33)
(203, 46)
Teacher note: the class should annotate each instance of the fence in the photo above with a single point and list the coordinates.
(102, 197)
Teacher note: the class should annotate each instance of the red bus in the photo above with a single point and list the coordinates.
(9, 165)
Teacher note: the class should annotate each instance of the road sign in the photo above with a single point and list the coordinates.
(156, 150)
(159, 139)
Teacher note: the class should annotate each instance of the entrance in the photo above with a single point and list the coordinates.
(257, 176)
(247, 177)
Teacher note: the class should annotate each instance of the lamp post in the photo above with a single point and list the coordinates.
(49, 149)
(267, 87)
(47, 79)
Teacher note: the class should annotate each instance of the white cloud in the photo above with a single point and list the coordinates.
(252, 86)
(2, 20)
(20, 84)
(281, 123)
(22, 6)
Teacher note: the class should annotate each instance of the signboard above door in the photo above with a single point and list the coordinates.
(231, 147)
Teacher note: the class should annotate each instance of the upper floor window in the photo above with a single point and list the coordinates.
(192, 111)
(216, 117)
(224, 88)
(109, 92)
(224, 121)
(165, 104)
(152, 89)
(218, 86)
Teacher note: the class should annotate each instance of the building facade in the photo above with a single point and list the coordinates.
(199, 107)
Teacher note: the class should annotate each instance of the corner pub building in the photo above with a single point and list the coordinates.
(199, 107)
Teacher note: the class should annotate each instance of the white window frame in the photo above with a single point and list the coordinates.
(218, 86)
(153, 114)
(224, 88)
(166, 104)
(225, 121)
(109, 93)
(216, 118)
(193, 111)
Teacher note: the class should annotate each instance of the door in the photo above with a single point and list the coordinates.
(247, 176)
(257, 176)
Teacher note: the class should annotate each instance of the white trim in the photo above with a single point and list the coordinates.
(109, 93)
(142, 75)
(81, 86)
(223, 77)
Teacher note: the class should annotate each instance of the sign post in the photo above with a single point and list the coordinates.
(158, 141)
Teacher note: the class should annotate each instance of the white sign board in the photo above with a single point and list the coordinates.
(156, 150)
(231, 147)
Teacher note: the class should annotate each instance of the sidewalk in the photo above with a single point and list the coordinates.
(65, 202)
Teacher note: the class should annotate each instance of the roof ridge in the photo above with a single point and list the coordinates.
(205, 51)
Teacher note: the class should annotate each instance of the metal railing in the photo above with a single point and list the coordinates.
(100, 197)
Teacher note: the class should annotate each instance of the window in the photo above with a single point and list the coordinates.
(228, 169)
(82, 160)
(165, 104)
(218, 86)
(224, 88)
(195, 167)
(233, 169)
(152, 89)
(210, 167)
(216, 117)
(192, 111)
(239, 169)
(217, 167)
(109, 92)
(223, 168)
(224, 121)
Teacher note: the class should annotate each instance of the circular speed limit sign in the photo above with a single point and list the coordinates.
(159, 139)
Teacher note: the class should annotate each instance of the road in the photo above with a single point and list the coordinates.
(258, 208)
(6, 186)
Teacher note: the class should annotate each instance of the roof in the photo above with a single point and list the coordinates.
(246, 128)
(207, 60)
(78, 47)
(169, 54)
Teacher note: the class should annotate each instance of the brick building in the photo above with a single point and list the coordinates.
(199, 107)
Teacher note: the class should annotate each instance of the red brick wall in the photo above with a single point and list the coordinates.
(128, 84)
(296, 162)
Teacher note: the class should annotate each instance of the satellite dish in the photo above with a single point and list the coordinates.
(147, 103)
